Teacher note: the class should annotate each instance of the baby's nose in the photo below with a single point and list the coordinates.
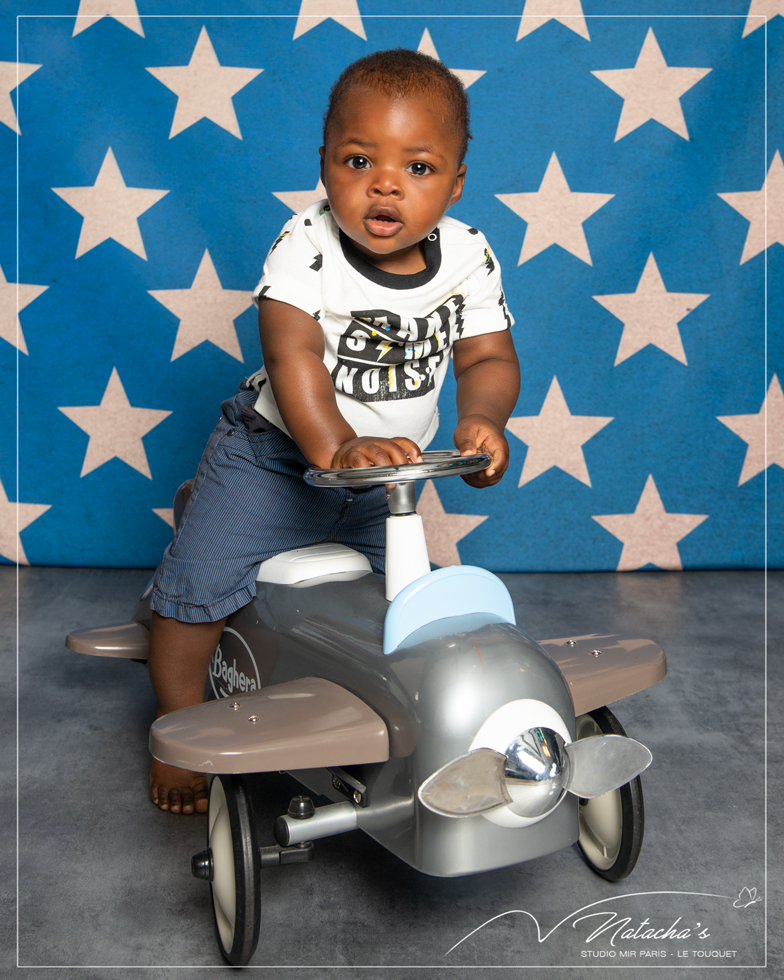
(386, 183)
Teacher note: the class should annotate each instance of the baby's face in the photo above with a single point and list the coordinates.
(391, 170)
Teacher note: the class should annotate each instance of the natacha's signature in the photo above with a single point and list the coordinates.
(622, 928)
(748, 896)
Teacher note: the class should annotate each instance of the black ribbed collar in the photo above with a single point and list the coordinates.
(392, 280)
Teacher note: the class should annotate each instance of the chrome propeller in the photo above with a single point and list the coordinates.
(473, 783)
(533, 774)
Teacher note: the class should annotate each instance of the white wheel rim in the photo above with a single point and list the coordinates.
(224, 892)
(600, 819)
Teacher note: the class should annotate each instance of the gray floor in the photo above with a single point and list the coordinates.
(104, 877)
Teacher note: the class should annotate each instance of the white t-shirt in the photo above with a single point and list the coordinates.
(387, 337)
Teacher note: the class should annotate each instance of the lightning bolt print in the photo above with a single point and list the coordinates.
(384, 347)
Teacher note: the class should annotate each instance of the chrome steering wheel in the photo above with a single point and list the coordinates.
(435, 464)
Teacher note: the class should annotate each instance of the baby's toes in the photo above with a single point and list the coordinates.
(201, 795)
(174, 801)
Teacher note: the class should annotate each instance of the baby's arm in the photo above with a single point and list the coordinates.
(488, 383)
(292, 343)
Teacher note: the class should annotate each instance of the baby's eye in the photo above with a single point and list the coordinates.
(419, 169)
(358, 163)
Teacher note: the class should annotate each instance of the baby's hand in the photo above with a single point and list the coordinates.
(372, 451)
(479, 434)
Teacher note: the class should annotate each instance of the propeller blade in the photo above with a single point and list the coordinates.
(603, 763)
(471, 784)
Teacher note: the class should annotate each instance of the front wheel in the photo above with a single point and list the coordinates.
(611, 826)
(236, 870)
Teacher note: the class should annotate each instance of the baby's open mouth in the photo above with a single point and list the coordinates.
(383, 222)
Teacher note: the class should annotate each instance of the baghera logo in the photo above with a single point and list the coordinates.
(679, 938)
(227, 676)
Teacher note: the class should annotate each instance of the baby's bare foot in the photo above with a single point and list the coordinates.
(178, 790)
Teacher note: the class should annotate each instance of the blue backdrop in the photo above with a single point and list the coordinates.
(619, 168)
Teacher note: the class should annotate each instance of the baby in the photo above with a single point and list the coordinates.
(363, 298)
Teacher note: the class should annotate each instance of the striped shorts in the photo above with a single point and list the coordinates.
(250, 502)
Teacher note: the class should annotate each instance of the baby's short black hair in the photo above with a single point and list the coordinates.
(401, 72)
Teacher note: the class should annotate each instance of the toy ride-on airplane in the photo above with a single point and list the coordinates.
(413, 703)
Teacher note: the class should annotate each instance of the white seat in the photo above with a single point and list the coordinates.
(309, 566)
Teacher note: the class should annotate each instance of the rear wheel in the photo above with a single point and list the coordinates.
(612, 825)
(236, 871)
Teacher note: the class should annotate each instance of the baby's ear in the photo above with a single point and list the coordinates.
(457, 190)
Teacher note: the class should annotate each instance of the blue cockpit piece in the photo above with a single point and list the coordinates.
(452, 591)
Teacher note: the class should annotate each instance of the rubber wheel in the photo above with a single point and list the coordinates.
(236, 871)
(611, 826)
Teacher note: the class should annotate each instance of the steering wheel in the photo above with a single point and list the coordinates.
(435, 464)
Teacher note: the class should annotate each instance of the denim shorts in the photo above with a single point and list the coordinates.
(250, 502)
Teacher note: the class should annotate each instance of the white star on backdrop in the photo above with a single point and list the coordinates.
(12, 74)
(751, 204)
(442, 530)
(313, 12)
(650, 535)
(110, 209)
(10, 327)
(555, 437)
(13, 519)
(555, 214)
(651, 90)
(466, 75)
(651, 315)
(205, 88)
(123, 11)
(115, 428)
(166, 514)
(760, 11)
(299, 200)
(206, 311)
(767, 426)
(566, 12)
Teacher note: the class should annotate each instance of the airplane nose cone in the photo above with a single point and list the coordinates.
(537, 772)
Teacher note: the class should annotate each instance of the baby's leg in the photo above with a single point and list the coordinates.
(364, 525)
(249, 502)
(178, 660)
